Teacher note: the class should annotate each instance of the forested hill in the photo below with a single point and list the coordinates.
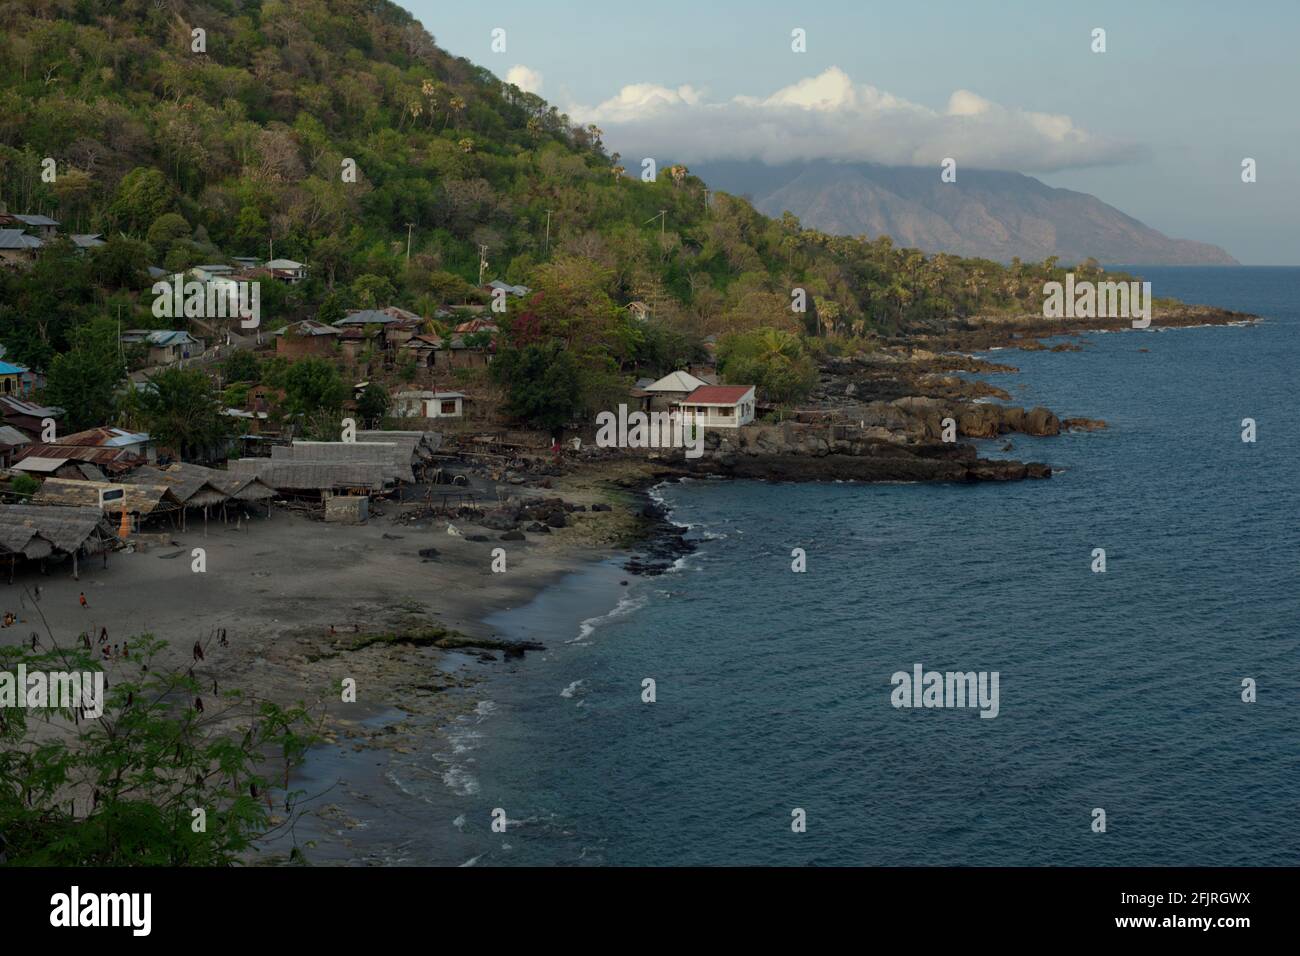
(180, 157)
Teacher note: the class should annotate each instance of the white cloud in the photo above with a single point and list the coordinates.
(828, 116)
(527, 79)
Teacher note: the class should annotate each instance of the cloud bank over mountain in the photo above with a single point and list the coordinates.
(829, 117)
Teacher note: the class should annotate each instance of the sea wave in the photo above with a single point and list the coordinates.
(626, 605)
(460, 781)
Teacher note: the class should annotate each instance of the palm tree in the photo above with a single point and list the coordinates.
(778, 346)
(454, 105)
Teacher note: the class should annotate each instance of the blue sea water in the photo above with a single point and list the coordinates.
(1120, 690)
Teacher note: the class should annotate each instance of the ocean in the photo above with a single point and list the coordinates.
(1119, 691)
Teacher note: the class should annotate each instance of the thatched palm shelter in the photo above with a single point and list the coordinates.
(36, 531)
(192, 489)
(243, 488)
(396, 459)
(314, 477)
(142, 501)
(420, 446)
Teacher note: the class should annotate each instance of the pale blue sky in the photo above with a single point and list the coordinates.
(1194, 86)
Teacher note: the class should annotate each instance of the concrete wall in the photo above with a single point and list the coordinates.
(347, 509)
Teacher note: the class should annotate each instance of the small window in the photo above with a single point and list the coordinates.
(449, 408)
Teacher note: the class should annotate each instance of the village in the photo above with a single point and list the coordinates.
(436, 447)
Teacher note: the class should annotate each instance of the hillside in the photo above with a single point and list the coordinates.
(244, 148)
(995, 215)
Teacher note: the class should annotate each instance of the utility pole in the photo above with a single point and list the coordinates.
(409, 227)
(482, 263)
(662, 217)
(548, 231)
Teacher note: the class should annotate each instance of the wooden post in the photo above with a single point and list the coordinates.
(76, 572)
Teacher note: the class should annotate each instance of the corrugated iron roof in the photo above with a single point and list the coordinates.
(717, 395)
(104, 437)
(118, 458)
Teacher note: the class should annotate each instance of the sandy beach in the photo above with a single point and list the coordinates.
(295, 595)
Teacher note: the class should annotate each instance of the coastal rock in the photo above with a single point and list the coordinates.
(981, 421)
(513, 536)
(601, 507)
(1041, 421)
(1083, 424)
(557, 519)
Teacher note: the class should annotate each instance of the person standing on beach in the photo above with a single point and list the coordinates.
(83, 599)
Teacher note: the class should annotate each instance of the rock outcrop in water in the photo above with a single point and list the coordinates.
(791, 452)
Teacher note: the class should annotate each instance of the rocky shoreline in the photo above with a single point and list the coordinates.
(896, 411)
(875, 416)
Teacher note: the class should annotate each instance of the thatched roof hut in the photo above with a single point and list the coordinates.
(316, 476)
(137, 499)
(36, 531)
(233, 486)
(425, 443)
(194, 490)
(396, 459)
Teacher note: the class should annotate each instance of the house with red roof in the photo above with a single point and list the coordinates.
(719, 406)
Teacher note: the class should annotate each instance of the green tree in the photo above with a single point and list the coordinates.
(140, 198)
(312, 385)
(772, 359)
(166, 229)
(373, 405)
(544, 382)
(451, 289)
(181, 411)
(119, 789)
(331, 309)
(242, 365)
(120, 263)
(372, 292)
(84, 380)
(24, 485)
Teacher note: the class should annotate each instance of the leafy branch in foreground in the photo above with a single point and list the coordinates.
(124, 788)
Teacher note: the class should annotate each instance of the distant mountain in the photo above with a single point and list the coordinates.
(992, 215)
